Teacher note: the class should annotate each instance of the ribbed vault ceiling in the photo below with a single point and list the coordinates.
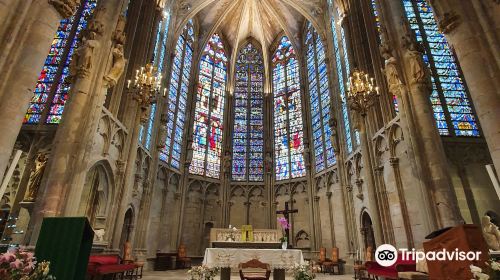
(263, 20)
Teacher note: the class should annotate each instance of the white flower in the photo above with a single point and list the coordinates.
(495, 265)
(481, 276)
(474, 269)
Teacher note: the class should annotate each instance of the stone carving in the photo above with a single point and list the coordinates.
(163, 137)
(99, 235)
(333, 128)
(65, 8)
(419, 73)
(268, 162)
(36, 177)
(391, 69)
(227, 162)
(119, 35)
(82, 61)
(491, 233)
(117, 67)
(447, 22)
(95, 24)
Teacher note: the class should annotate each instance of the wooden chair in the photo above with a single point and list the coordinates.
(182, 261)
(322, 258)
(330, 265)
(360, 268)
(254, 270)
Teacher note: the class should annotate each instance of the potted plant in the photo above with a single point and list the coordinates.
(19, 264)
(302, 271)
(491, 272)
(202, 273)
(284, 226)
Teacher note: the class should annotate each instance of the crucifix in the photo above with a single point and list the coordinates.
(286, 213)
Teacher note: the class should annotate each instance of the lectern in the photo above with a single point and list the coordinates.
(66, 243)
(464, 238)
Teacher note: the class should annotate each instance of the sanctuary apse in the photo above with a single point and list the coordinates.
(159, 120)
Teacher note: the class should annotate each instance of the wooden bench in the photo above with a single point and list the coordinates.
(111, 265)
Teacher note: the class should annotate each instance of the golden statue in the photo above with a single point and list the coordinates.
(36, 177)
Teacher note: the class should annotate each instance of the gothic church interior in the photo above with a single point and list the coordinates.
(160, 121)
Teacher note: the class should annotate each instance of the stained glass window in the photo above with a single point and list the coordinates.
(208, 119)
(378, 26)
(319, 94)
(342, 84)
(449, 98)
(177, 96)
(248, 133)
(288, 125)
(146, 131)
(52, 88)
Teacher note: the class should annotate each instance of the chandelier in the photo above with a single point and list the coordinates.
(146, 86)
(362, 91)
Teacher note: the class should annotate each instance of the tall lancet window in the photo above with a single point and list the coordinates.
(288, 125)
(146, 131)
(177, 96)
(319, 94)
(208, 118)
(52, 88)
(248, 133)
(342, 78)
(449, 98)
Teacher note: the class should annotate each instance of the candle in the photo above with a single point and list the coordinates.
(128, 83)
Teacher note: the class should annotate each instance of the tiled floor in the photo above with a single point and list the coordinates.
(182, 275)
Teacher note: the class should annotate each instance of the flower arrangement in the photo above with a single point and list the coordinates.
(284, 226)
(492, 272)
(302, 271)
(19, 264)
(202, 273)
(232, 235)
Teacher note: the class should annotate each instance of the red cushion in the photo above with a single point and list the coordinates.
(105, 259)
(374, 268)
(114, 268)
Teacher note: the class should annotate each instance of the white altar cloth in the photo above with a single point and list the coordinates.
(231, 258)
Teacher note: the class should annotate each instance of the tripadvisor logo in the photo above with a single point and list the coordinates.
(387, 255)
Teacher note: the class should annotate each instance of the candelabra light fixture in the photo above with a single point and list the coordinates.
(362, 91)
(146, 86)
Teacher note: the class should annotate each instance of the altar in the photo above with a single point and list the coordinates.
(229, 258)
(245, 237)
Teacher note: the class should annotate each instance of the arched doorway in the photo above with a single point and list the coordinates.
(96, 195)
(127, 228)
(367, 231)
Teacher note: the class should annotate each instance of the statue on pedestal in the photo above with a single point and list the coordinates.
(117, 67)
(491, 233)
(36, 178)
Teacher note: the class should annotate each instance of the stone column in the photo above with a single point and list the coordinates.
(373, 199)
(418, 76)
(477, 49)
(23, 63)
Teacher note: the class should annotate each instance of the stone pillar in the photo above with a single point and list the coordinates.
(373, 199)
(418, 76)
(25, 62)
(477, 49)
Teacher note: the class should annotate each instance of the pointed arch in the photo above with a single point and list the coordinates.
(177, 96)
(288, 124)
(320, 100)
(248, 130)
(208, 120)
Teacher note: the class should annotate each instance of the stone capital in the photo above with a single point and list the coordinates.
(66, 8)
(448, 21)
